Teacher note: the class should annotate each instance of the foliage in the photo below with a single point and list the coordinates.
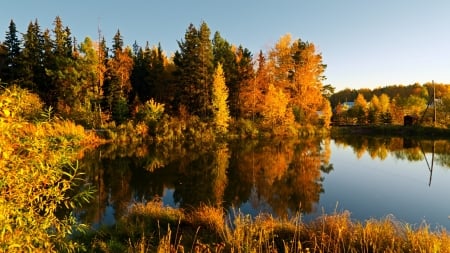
(150, 113)
(221, 113)
(277, 116)
(20, 104)
(297, 70)
(38, 180)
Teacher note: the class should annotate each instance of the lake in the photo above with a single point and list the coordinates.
(369, 177)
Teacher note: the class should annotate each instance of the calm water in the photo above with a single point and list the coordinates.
(371, 178)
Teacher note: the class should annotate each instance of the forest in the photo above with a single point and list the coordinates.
(209, 84)
(428, 104)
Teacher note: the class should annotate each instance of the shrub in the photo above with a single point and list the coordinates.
(37, 179)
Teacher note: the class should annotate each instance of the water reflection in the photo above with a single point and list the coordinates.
(428, 151)
(277, 176)
(282, 176)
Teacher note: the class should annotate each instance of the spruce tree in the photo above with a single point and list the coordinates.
(12, 44)
(31, 61)
(194, 63)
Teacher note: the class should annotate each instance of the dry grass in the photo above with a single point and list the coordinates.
(329, 233)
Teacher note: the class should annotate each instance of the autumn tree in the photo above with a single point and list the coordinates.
(224, 54)
(359, 109)
(298, 70)
(237, 67)
(276, 113)
(385, 112)
(374, 110)
(117, 89)
(90, 82)
(221, 113)
(251, 97)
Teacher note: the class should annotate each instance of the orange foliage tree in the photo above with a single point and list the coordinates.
(298, 70)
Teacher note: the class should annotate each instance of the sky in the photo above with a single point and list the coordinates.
(364, 43)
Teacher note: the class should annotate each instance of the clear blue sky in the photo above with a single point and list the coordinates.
(365, 43)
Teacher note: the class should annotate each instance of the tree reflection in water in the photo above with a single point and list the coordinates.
(281, 175)
(401, 149)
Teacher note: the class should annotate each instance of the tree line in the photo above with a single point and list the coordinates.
(390, 104)
(207, 79)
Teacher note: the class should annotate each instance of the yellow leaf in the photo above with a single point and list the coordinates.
(6, 112)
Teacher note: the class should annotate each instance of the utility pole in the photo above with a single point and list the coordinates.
(434, 102)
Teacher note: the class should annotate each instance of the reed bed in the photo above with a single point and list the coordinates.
(154, 228)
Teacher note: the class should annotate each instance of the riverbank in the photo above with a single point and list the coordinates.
(393, 131)
(152, 227)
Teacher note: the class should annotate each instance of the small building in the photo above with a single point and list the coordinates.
(410, 120)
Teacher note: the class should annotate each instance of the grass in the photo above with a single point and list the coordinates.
(152, 227)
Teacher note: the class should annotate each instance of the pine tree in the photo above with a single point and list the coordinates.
(221, 113)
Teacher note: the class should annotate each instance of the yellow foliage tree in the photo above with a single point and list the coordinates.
(276, 113)
(298, 70)
(252, 92)
(219, 100)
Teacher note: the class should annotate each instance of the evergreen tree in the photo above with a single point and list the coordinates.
(12, 43)
(245, 75)
(194, 63)
(140, 73)
(62, 69)
(3, 65)
(32, 69)
(148, 76)
(63, 41)
(221, 112)
(117, 43)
